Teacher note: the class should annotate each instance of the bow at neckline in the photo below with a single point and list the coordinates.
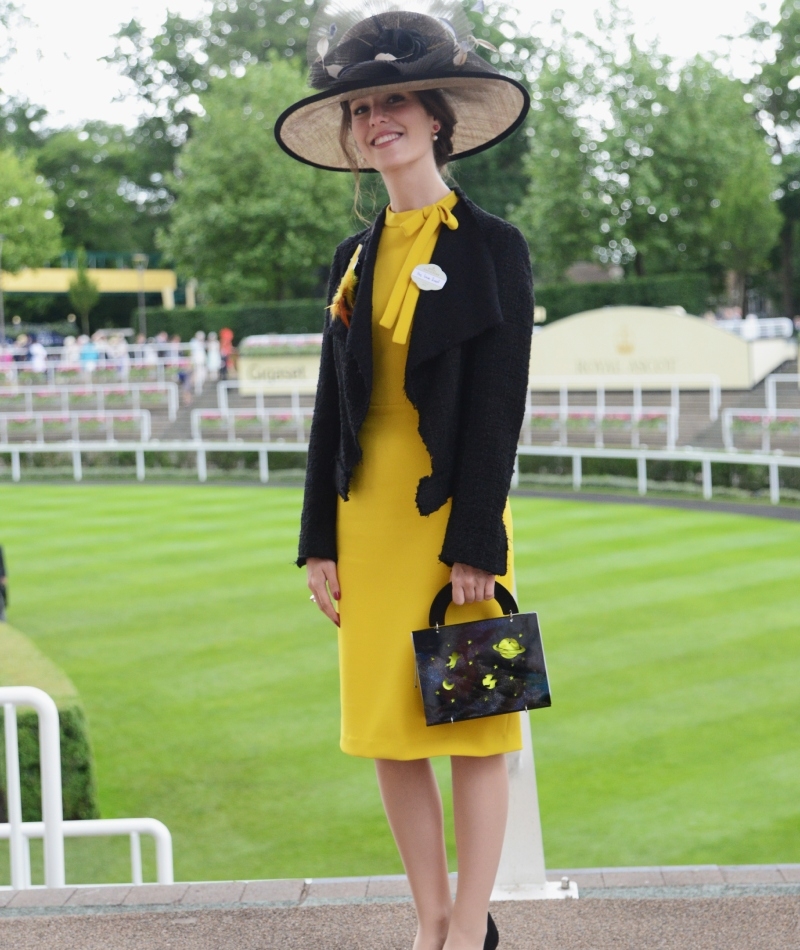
(425, 223)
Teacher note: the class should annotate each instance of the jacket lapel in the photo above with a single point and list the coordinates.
(359, 336)
(469, 302)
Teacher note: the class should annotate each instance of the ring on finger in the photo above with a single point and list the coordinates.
(313, 599)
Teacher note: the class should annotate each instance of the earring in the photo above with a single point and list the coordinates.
(436, 138)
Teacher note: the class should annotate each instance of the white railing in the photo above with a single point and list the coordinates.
(674, 384)
(267, 418)
(200, 450)
(65, 373)
(50, 763)
(99, 392)
(132, 828)
(225, 386)
(70, 423)
(53, 829)
(771, 388)
(753, 328)
(767, 421)
(598, 419)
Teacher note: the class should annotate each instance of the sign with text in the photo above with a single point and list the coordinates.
(278, 374)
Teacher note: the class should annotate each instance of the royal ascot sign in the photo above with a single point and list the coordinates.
(646, 341)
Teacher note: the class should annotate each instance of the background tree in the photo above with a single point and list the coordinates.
(249, 222)
(107, 194)
(631, 155)
(775, 94)
(172, 71)
(27, 215)
(746, 222)
(83, 291)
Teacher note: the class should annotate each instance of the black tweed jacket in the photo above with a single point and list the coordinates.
(466, 374)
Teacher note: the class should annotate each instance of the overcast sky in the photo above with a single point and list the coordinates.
(57, 61)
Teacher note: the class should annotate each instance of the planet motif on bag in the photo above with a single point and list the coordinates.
(509, 649)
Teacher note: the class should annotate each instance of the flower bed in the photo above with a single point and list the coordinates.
(544, 420)
(11, 401)
(152, 397)
(621, 421)
(116, 397)
(581, 421)
(653, 421)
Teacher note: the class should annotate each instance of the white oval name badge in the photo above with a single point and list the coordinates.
(429, 277)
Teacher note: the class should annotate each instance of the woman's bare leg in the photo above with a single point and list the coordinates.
(480, 805)
(413, 806)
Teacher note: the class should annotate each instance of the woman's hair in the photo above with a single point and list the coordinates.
(435, 103)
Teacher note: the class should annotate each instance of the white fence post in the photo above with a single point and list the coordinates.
(577, 472)
(50, 766)
(641, 475)
(263, 466)
(13, 797)
(774, 484)
(140, 469)
(77, 469)
(136, 858)
(707, 485)
(522, 874)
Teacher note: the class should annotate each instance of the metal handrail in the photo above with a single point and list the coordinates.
(600, 412)
(263, 415)
(74, 417)
(99, 391)
(53, 829)
(50, 762)
(767, 417)
(771, 388)
(603, 383)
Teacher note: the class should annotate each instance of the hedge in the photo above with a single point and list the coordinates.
(280, 316)
(22, 664)
(690, 291)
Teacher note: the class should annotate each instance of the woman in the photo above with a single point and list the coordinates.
(420, 400)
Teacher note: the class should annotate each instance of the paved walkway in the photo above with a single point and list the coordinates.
(696, 908)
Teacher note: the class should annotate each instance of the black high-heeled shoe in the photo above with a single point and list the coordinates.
(492, 936)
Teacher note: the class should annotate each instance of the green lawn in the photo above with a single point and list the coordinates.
(210, 682)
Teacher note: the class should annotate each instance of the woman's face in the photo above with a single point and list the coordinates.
(392, 129)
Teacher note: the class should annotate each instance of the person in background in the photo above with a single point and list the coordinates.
(88, 356)
(37, 355)
(3, 587)
(213, 357)
(197, 352)
(226, 351)
(70, 353)
(162, 344)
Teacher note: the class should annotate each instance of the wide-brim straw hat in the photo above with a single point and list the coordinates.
(365, 49)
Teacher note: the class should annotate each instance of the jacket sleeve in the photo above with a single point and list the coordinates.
(495, 389)
(318, 520)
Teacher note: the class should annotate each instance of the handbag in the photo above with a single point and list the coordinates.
(482, 667)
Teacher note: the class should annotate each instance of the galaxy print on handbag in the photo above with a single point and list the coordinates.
(481, 668)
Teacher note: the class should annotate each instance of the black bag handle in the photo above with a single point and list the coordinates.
(445, 597)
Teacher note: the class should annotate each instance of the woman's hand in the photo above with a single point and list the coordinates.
(323, 582)
(470, 584)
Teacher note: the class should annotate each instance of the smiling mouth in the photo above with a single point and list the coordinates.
(385, 139)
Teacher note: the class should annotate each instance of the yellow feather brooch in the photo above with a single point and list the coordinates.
(345, 297)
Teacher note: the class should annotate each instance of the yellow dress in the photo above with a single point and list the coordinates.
(389, 568)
